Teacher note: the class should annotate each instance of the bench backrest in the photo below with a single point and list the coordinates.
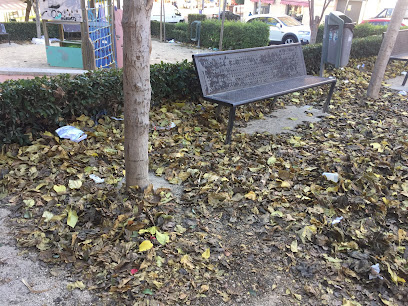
(2, 29)
(401, 44)
(236, 69)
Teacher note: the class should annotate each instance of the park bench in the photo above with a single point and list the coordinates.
(400, 50)
(3, 32)
(238, 77)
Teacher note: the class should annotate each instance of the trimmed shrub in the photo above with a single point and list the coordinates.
(194, 17)
(237, 35)
(40, 104)
(34, 106)
(27, 30)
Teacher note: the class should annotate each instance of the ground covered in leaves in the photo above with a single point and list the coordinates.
(256, 218)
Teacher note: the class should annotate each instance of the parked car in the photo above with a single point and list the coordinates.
(228, 16)
(383, 21)
(170, 13)
(283, 28)
(387, 13)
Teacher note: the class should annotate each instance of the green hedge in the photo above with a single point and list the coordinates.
(177, 31)
(33, 106)
(39, 104)
(360, 48)
(237, 35)
(360, 31)
(27, 30)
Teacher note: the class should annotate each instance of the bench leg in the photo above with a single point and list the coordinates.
(326, 104)
(218, 111)
(230, 124)
(405, 79)
(274, 101)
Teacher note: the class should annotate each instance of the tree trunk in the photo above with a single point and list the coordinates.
(37, 18)
(137, 90)
(314, 21)
(28, 10)
(386, 49)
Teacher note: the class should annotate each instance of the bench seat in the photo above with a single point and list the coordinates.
(237, 77)
(265, 91)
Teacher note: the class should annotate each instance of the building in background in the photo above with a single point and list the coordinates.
(13, 10)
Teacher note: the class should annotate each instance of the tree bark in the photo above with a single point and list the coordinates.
(386, 49)
(314, 21)
(28, 10)
(137, 90)
(37, 18)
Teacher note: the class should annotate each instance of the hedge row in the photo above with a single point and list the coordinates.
(39, 104)
(20, 31)
(360, 31)
(237, 35)
(360, 48)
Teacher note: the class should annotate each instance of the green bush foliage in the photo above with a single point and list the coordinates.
(177, 31)
(360, 31)
(40, 104)
(34, 106)
(360, 48)
(194, 17)
(20, 31)
(237, 35)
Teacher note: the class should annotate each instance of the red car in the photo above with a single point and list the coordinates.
(383, 21)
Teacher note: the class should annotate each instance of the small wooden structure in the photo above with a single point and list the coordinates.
(95, 21)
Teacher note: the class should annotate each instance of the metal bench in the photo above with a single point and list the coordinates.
(238, 77)
(4, 32)
(400, 50)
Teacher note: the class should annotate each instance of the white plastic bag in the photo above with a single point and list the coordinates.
(71, 133)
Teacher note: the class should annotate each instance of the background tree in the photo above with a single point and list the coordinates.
(30, 5)
(136, 88)
(28, 9)
(314, 21)
(386, 48)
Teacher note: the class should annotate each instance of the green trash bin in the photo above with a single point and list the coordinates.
(337, 39)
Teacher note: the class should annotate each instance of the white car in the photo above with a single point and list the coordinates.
(283, 28)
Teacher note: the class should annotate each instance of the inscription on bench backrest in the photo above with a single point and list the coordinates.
(401, 44)
(237, 69)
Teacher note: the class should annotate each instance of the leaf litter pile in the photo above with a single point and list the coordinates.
(256, 218)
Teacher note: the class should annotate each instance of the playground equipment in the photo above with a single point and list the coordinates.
(94, 19)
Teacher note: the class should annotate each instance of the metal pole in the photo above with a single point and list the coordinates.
(161, 22)
(222, 25)
(219, 10)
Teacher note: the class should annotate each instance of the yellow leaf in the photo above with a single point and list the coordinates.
(271, 160)
(294, 246)
(285, 184)
(204, 288)
(47, 216)
(29, 202)
(377, 146)
(162, 238)
(186, 261)
(74, 184)
(145, 245)
(206, 254)
(72, 218)
(307, 232)
(77, 284)
(401, 235)
(251, 195)
(60, 189)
